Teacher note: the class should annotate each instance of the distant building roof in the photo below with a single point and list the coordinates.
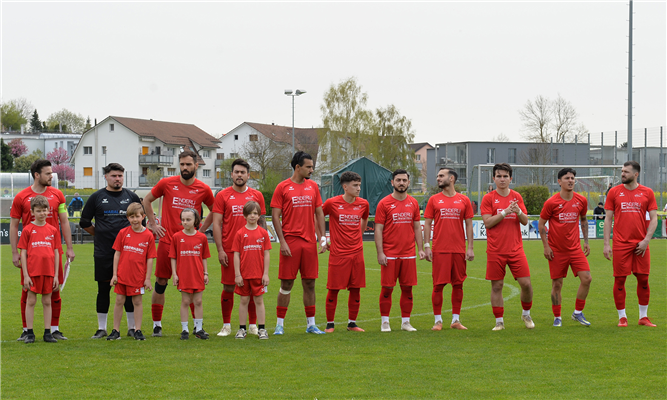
(169, 132)
(418, 146)
(304, 138)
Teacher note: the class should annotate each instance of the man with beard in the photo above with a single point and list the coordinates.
(629, 204)
(42, 174)
(108, 207)
(397, 228)
(226, 221)
(297, 200)
(178, 192)
(449, 210)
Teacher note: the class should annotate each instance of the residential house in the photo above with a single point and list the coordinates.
(421, 157)
(45, 142)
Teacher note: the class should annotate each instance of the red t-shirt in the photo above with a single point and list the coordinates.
(176, 198)
(298, 203)
(398, 218)
(189, 252)
(229, 203)
(39, 242)
(250, 244)
(135, 248)
(630, 208)
(505, 237)
(448, 215)
(21, 208)
(563, 217)
(345, 224)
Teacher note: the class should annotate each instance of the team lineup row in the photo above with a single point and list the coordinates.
(124, 250)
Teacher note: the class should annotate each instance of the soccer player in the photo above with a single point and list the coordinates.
(42, 174)
(348, 217)
(502, 211)
(627, 207)
(39, 258)
(564, 211)
(227, 220)
(397, 228)
(297, 200)
(108, 208)
(449, 210)
(179, 193)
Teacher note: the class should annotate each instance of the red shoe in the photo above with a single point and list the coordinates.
(329, 328)
(623, 322)
(458, 325)
(646, 322)
(437, 326)
(352, 326)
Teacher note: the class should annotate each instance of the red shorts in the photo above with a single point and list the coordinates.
(228, 275)
(128, 290)
(190, 290)
(251, 287)
(41, 284)
(495, 265)
(163, 262)
(449, 268)
(61, 274)
(346, 272)
(576, 259)
(304, 259)
(403, 269)
(626, 262)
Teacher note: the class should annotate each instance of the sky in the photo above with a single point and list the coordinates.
(459, 71)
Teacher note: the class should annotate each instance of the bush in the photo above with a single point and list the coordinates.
(534, 197)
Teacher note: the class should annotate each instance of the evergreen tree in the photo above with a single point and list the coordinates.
(35, 125)
(88, 126)
(7, 158)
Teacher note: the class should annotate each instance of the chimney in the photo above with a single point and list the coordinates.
(95, 122)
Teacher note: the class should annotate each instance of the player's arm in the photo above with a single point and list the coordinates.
(116, 259)
(265, 278)
(152, 224)
(173, 270)
(278, 226)
(149, 272)
(14, 241)
(492, 220)
(542, 228)
(606, 231)
(417, 226)
(584, 231)
(364, 225)
(262, 222)
(87, 215)
(516, 208)
(27, 282)
(56, 262)
(470, 253)
(382, 259)
(428, 253)
(207, 222)
(67, 232)
(319, 221)
(217, 238)
(238, 279)
(205, 263)
(652, 225)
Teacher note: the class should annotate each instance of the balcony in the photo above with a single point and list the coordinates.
(156, 159)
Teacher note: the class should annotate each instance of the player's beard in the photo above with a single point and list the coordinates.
(401, 190)
(185, 174)
(236, 183)
(625, 181)
(444, 185)
(45, 182)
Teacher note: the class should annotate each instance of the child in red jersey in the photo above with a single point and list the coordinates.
(251, 268)
(132, 267)
(39, 258)
(188, 254)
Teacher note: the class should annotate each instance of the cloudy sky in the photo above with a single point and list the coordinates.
(458, 70)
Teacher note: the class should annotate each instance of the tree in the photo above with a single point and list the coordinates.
(65, 172)
(71, 122)
(11, 117)
(388, 143)
(17, 147)
(500, 138)
(153, 176)
(58, 156)
(545, 120)
(266, 155)
(88, 126)
(23, 163)
(7, 157)
(35, 124)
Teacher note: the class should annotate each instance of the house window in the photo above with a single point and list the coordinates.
(220, 156)
(111, 126)
(532, 156)
(144, 150)
(233, 155)
(491, 155)
(419, 157)
(87, 171)
(206, 173)
(663, 158)
(88, 150)
(55, 145)
(104, 150)
(144, 171)
(236, 137)
(206, 154)
(554, 156)
(171, 171)
(511, 156)
(253, 138)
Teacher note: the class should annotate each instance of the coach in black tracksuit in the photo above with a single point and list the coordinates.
(108, 208)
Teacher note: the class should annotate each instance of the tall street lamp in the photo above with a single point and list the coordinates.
(298, 92)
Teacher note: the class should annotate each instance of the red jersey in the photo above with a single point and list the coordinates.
(345, 224)
(630, 219)
(176, 198)
(563, 216)
(135, 248)
(398, 218)
(189, 252)
(229, 203)
(251, 244)
(505, 237)
(298, 203)
(21, 208)
(448, 215)
(39, 243)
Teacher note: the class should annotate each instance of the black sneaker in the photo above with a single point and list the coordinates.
(115, 335)
(130, 332)
(99, 334)
(29, 338)
(22, 337)
(157, 331)
(138, 335)
(185, 335)
(201, 335)
(58, 335)
(48, 338)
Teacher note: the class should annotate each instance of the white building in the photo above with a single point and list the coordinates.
(45, 142)
(147, 150)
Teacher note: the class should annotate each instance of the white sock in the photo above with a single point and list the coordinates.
(455, 317)
(438, 318)
(577, 311)
(252, 325)
(54, 328)
(102, 321)
(184, 326)
(525, 312)
(351, 321)
(25, 329)
(404, 320)
(157, 323)
(500, 320)
(130, 320)
(330, 322)
(311, 321)
(199, 322)
(621, 314)
(280, 321)
(643, 311)
(229, 325)
(384, 319)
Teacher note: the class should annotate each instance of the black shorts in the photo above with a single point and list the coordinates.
(103, 269)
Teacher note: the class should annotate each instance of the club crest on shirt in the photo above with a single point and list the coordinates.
(125, 201)
(307, 188)
(260, 240)
(50, 237)
(250, 198)
(639, 194)
(197, 246)
(144, 244)
(194, 191)
(457, 201)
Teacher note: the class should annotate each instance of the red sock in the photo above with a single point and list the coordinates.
(227, 305)
(353, 303)
(192, 310)
(457, 298)
(24, 300)
(436, 299)
(281, 312)
(579, 305)
(556, 310)
(156, 311)
(56, 307)
(526, 306)
(310, 311)
(406, 301)
(498, 311)
(332, 302)
(643, 290)
(619, 292)
(385, 301)
(252, 313)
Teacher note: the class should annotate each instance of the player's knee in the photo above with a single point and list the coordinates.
(229, 288)
(308, 284)
(284, 292)
(438, 288)
(286, 285)
(159, 288)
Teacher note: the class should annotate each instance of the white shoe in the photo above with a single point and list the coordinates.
(528, 321)
(385, 327)
(252, 329)
(225, 331)
(499, 326)
(405, 326)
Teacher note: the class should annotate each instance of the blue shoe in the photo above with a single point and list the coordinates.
(280, 330)
(581, 319)
(315, 329)
(558, 321)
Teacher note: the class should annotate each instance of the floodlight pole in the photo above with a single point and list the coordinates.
(289, 92)
(630, 88)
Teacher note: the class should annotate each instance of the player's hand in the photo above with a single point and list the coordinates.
(157, 229)
(641, 248)
(16, 260)
(548, 253)
(428, 254)
(422, 254)
(607, 252)
(27, 283)
(70, 254)
(56, 284)
(222, 257)
(205, 279)
(113, 281)
(284, 249)
(265, 280)
(587, 249)
(147, 285)
(470, 255)
(175, 280)
(382, 259)
(323, 247)
(239, 281)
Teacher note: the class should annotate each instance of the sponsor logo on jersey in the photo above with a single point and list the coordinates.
(349, 219)
(450, 213)
(631, 206)
(137, 250)
(302, 201)
(179, 202)
(252, 247)
(237, 210)
(393, 206)
(136, 290)
(182, 240)
(440, 201)
(34, 231)
(560, 206)
(128, 235)
(568, 217)
(402, 217)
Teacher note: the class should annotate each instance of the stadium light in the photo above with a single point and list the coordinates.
(288, 92)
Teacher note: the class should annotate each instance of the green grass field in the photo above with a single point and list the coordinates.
(601, 361)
